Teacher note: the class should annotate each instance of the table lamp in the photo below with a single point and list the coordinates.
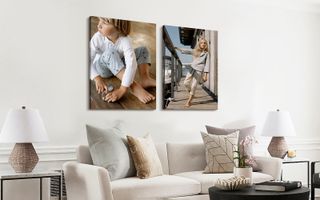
(278, 124)
(23, 127)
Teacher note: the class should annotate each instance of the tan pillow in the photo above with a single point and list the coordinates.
(219, 152)
(145, 156)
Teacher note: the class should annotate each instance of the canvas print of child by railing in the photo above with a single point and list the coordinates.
(190, 78)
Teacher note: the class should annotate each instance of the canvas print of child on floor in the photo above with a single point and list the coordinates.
(122, 64)
(190, 80)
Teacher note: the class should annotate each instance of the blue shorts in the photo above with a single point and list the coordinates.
(110, 63)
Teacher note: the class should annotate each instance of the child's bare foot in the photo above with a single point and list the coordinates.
(188, 104)
(148, 82)
(115, 95)
(138, 91)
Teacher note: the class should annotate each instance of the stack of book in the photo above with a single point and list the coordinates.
(278, 186)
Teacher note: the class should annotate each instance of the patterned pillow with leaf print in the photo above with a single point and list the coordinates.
(220, 152)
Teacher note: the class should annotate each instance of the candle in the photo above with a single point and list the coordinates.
(292, 153)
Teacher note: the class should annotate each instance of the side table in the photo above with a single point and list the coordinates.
(298, 160)
(5, 176)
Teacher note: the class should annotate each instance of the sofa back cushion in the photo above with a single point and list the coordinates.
(163, 156)
(186, 157)
(84, 156)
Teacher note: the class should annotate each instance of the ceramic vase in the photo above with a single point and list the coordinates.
(245, 171)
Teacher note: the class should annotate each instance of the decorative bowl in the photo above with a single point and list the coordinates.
(233, 183)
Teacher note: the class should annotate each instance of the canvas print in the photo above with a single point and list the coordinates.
(189, 68)
(122, 64)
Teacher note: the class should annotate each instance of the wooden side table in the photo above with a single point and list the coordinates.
(5, 176)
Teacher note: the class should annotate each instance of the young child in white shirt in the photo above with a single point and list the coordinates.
(111, 54)
(199, 68)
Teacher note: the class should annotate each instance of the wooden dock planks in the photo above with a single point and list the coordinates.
(201, 101)
(127, 102)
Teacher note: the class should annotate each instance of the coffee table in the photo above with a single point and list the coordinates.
(251, 194)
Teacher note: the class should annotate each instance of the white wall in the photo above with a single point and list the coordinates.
(268, 59)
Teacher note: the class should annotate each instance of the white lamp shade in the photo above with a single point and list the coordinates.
(23, 126)
(278, 124)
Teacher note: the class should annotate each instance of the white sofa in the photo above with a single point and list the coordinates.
(183, 180)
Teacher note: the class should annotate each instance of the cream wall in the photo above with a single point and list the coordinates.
(268, 58)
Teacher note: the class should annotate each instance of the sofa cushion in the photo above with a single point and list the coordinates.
(208, 180)
(157, 187)
(163, 156)
(109, 150)
(220, 152)
(180, 153)
(145, 156)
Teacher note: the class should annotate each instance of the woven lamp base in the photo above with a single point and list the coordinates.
(278, 147)
(23, 158)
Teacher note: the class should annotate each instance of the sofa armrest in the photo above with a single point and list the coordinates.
(85, 182)
(270, 165)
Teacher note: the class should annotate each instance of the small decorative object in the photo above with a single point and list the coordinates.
(23, 126)
(291, 153)
(278, 124)
(245, 162)
(233, 183)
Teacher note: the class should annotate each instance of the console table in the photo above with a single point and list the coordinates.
(10, 176)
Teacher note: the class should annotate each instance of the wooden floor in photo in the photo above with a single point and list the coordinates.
(201, 101)
(127, 102)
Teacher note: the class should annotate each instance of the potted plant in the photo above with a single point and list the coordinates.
(244, 161)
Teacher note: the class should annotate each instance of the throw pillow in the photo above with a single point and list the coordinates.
(145, 156)
(243, 133)
(109, 150)
(220, 152)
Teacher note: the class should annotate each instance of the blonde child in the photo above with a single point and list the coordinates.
(199, 67)
(111, 54)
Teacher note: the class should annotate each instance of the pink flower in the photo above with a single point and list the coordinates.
(244, 159)
(248, 140)
(250, 161)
